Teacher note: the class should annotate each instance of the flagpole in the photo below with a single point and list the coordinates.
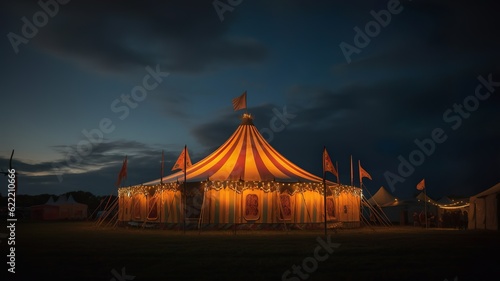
(338, 176)
(162, 163)
(360, 177)
(185, 195)
(324, 188)
(161, 182)
(352, 174)
(246, 109)
(425, 205)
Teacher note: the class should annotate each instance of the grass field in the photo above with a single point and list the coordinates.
(80, 251)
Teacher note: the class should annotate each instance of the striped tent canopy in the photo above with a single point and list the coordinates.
(246, 156)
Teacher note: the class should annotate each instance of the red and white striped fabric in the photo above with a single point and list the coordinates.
(246, 155)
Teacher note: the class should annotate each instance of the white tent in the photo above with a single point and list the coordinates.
(483, 209)
(399, 210)
(383, 198)
(62, 208)
(389, 206)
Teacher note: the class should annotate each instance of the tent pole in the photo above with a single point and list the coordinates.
(185, 195)
(352, 179)
(425, 205)
(234, 210)
(305, 204)
(324, 203)
(202, 212)
(150, 209)
(160, 208)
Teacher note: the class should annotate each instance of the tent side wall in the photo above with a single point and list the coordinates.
(483, 212)
(44, 212)
(308, 207)
(348, 207)
(163, 206)
(227, 206)
(476, 213)
(492, 211)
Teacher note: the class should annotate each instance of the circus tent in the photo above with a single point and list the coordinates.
(244, 181)
(247, 156)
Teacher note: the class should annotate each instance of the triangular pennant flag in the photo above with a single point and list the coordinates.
(421, 185)
(327, 164)
(363, 173)
(123, 172)
(240, 102)
(183, 160)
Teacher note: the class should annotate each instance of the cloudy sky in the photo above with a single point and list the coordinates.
(408, 88)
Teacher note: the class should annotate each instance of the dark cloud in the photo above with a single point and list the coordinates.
(96, 172)
(182, 36)
(174, 104)
(378, 122)
(393, 93)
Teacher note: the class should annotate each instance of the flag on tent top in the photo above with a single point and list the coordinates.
(327, 164)
(363, 173)
(183, 160)
(123, 172)
(240, 102)
(421, 185)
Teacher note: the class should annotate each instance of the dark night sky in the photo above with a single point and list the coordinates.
(418, 72)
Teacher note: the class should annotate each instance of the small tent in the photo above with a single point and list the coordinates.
(383, 198)
(47, 211)
(483, 209)
(62, 208)
(394, 209)
(403, 211)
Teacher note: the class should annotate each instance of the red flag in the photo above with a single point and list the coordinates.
(240, 102)
(123, 172)
(421, 185)
(183, 160)
(327, 164)
(363, 173)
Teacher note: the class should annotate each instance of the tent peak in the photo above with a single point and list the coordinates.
(247, 119)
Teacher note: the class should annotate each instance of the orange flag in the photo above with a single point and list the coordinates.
(123, 172)
(240, 102)
(183, 159)
(327, 164)
(363, 173)
(421, 185)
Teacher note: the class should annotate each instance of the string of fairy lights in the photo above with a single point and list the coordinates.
(240, 186)
(454, 205)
